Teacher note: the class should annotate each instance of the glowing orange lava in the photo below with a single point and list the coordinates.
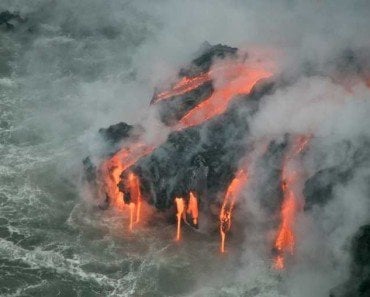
(192, 208)
(233, 192)
(132, 209)
(135, 194)
(190, 83)
(112, 168)
(239, 79)
(285, 239)
(185, 85)
(180, 206)
(229, 78)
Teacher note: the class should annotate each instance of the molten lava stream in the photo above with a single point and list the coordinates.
(185, 85)
(189, 83)
(241, 82)
(233, 192)
(285, 239)
(111, 169)
(135, 194)
(111, 175)
(180, 206)
(132, 209)
(192, 209)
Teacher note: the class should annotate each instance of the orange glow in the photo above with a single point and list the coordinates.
(186, 84)
(238, 79)
(229, 78)
(138, 211)
(135, 194)
(111, 172)
(285, 239)
(301, 143)
(180, 206)
(189, 83)
(279, 262)
(132, 208)
(192, 209)
(233, 192)
(112, 168)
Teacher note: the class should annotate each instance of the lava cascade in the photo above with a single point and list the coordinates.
(285, 239)
(135, 197)
(236, 80)
(180, 206)
(192, 209)
(233, 192)
(183, 86)
(183, 209)
(111, 169)
(232, 78)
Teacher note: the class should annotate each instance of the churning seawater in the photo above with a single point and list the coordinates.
(64, 73)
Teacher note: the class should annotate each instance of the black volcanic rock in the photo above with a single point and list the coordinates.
(361, 248)
(269, 182)
(89, 169)
(206, 56)
(318, 189)
(359, 283)
(203, 159)
(116, 133)
(174, 108)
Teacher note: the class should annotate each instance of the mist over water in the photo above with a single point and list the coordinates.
(76, 66)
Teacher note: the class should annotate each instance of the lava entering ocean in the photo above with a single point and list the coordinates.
(242, 80)
(199, 164)
(233, 191)
(110, 175)
(285, 239)
(237, 79)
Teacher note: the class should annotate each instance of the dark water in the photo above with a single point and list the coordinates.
(72, 68)
(61, 72)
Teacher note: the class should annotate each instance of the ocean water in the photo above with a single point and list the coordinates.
(64, 74)
(73, 67)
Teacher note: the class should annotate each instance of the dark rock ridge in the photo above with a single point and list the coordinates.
(319, 188)
(116, 133)
(174, 108)
(206, 56)
(359, 283)
(204, 158)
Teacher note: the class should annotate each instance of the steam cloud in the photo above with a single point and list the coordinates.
(84, 65)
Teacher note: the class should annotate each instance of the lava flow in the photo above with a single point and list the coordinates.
(238, 79)
(192, 209)
(185, 85)
(183, 209)
(135, 195)
(229, 78)
(111, 170)
(232, 194)
(235, 79)
(285, 239)
(180, 206)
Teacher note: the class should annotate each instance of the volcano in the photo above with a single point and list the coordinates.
(206, 160)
